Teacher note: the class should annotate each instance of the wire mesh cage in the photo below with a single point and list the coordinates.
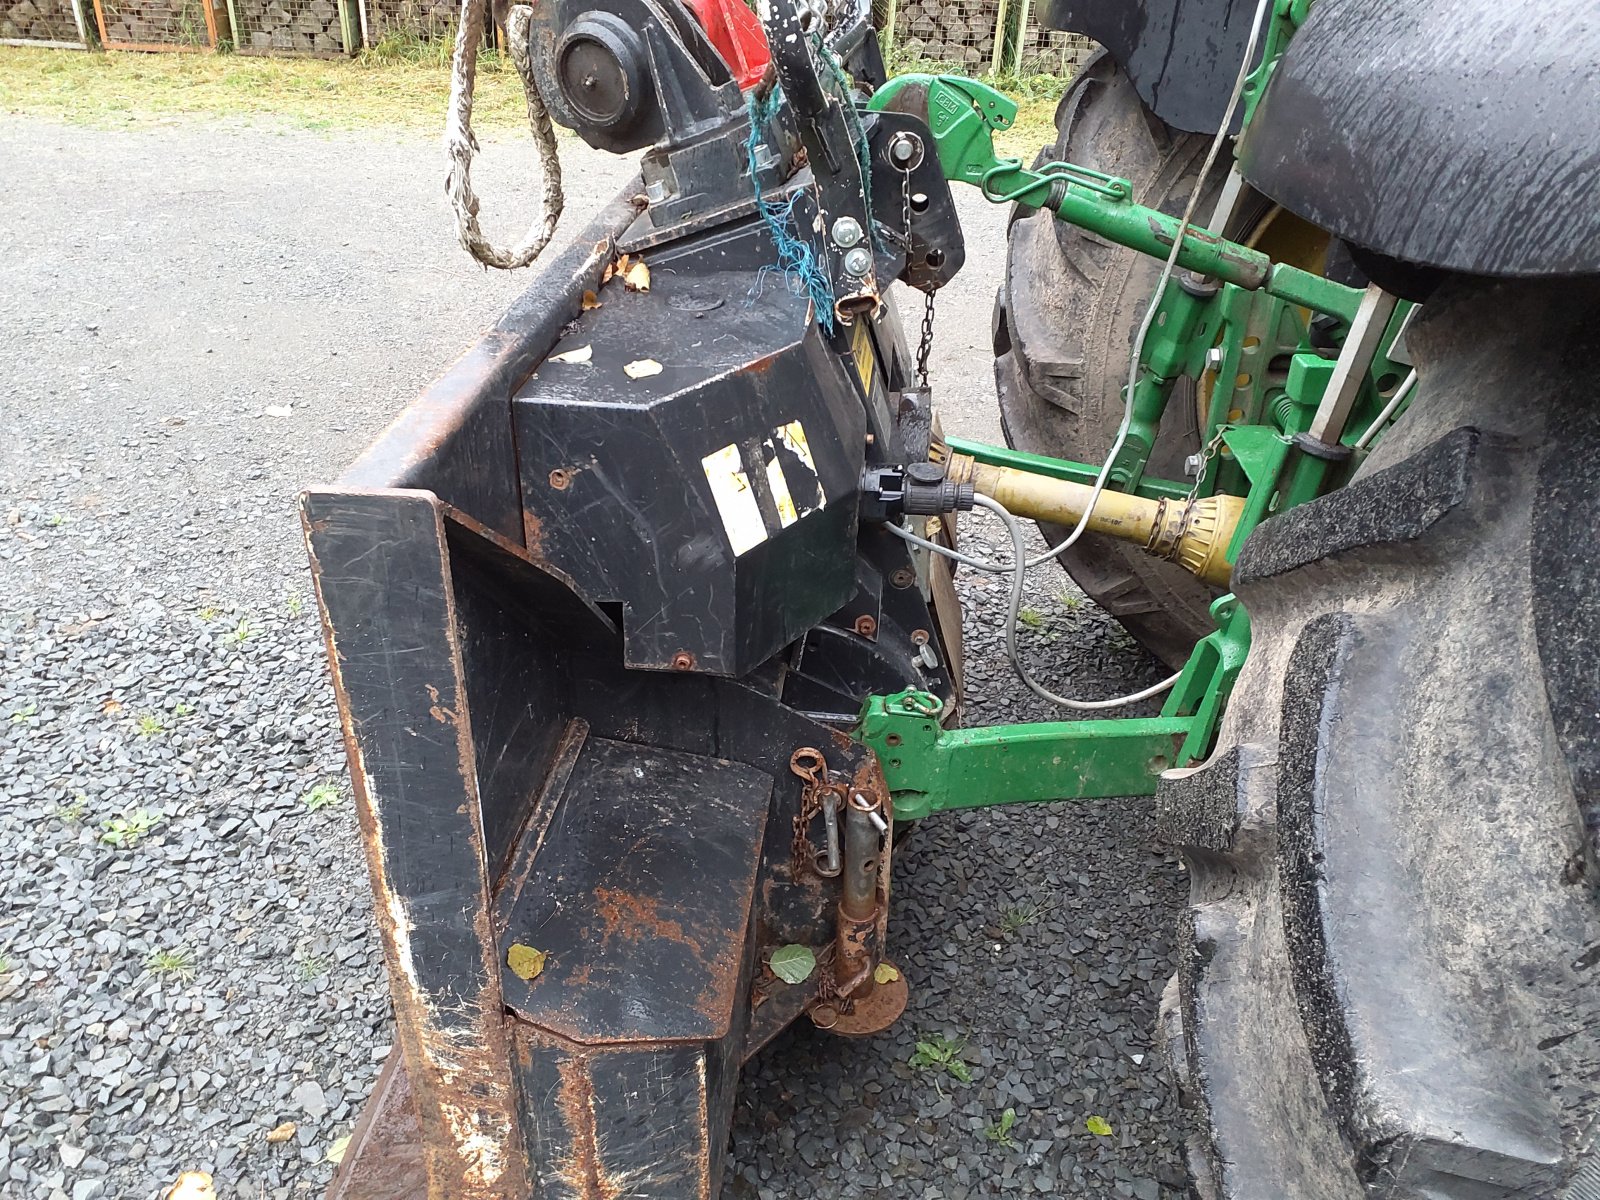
(160, 24)
(419, 20)
(320, 28)
(1041, 51)
(52, 23)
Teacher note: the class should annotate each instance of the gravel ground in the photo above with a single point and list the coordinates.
(185, 954)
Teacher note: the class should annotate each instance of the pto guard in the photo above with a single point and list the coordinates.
(573, 722)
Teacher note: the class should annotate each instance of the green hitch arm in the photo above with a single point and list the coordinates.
(964, 115)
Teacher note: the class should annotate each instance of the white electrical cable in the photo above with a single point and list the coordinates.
(1262, 8)
(1014, 607)
(1395, 401)
(1017, 568)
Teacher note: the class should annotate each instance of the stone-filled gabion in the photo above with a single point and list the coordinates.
(289, 27)
(38, 21)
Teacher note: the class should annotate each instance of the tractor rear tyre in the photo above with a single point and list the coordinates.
(1063, 327)
(1391, 983)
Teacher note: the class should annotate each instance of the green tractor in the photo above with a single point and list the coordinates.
(644, 633)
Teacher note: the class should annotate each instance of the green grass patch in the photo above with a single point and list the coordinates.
(402, 83)
(390, 86)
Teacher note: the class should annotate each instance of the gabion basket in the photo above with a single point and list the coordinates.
(315, 28)
(161, 24)
(428, 20)
(57, 24)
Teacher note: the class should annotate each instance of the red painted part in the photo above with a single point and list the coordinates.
(737, 34)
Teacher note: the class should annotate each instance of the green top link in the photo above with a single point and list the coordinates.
(964, 115)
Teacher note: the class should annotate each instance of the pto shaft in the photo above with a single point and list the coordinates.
(1195, 534)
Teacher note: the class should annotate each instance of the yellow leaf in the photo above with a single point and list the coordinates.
(111, 707)
(885, 973)
(581, 355)
(591, 301)
(642, 368)
(525, 962)
(1098, 1126)
(637, 277)
(336, 1151)
(281, 1133)
(191, 1185)
(611, 269)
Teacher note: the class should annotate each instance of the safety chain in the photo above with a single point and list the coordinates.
(925, 346)
(809, 764)
(1206, 456)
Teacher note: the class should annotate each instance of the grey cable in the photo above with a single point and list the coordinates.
(1014, 607)
(1262, 8)
(1395, 401)
(460, 144)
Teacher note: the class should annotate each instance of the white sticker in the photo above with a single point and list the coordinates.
(736, 503)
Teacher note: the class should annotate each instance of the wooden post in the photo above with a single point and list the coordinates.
(999, 39)
(1022, 38)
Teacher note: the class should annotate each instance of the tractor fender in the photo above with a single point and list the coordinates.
(1182, 55)
(1461, 136)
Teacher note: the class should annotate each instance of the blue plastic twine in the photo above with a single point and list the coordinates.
(803, 269)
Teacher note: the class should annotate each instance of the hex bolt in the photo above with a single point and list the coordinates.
(846, 232)
(1214, 359)
(1194, 464)
(858, 261)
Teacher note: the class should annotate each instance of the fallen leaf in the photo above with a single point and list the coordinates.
(282, 1133)
(1098, 1126)
(885, 973)
(525, 962)
(111, 706)
(336, 1151)
(280, 410)
(581, 355)
(637, 277)
(191, 1185)
(605, 276)
(591, 301)
(793, 963)
(642, 368)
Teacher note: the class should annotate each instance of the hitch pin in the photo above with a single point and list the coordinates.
(859, 800)
(830, 825)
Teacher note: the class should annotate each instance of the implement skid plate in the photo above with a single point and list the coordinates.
(580, 868)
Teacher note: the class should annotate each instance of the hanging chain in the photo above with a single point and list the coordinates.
(925, 345)
(1206, 456)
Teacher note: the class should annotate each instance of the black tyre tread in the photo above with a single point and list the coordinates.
(1063, 326)
(1394, 931)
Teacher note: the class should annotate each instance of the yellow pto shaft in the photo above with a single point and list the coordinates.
(1192, 533)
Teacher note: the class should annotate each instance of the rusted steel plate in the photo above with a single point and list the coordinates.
(384, 585)
(384, 1158)
(641, 896)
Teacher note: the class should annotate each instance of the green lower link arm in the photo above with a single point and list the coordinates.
(963, 115)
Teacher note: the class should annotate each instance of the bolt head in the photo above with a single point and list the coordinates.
(858, 261)
(846, 232)
(1214, 359)
(1194, 464)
